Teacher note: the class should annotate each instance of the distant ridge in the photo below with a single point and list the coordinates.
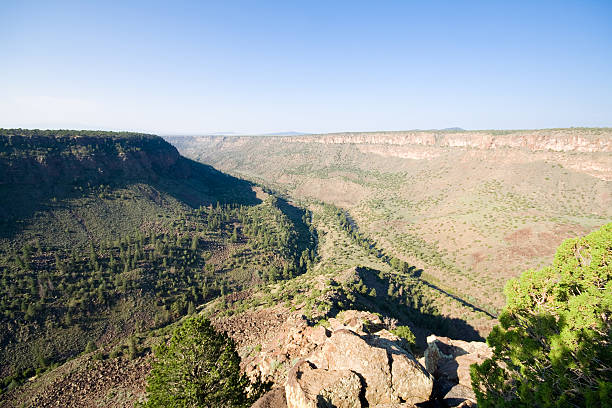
(290, 133)
(285, 134)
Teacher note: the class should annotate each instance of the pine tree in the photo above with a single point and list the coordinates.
(132, 348)
(553, 347)
(234, 237)
(198, 368)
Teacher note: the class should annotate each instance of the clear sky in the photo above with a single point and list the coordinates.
(178, 67)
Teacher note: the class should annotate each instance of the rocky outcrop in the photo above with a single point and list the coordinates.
(355, 362)
(311, 387)
(284, 345)
(51, 157)
(585, 150)
(559, 140)
(390, 373)
(449, 362)
(582, 140)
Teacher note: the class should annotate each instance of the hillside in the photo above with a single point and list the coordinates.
(471, 209)
(107, 234)
(110, 240)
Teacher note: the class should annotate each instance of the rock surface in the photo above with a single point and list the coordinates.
(275, 398)
(310, 387)
(588, 148)
(546, 139)
(356, 362)
(459, 395)
(449, 362)
(391, 374)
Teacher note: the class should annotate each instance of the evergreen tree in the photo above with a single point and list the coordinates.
(91, 346)
(132, 348)
(199, 367)
(553, 345)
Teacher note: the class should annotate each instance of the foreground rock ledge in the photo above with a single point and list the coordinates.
(349, 368)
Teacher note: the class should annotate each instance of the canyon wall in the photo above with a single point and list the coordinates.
(559, 140)
(33, 158)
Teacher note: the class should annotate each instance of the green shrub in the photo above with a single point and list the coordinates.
(552, 347)
(198, 368)
(405, 334)
(132, 348)
(116, 352)
(91, 346)
(99, 356)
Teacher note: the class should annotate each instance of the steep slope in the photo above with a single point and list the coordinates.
(105, 234)
(340, 275)
(117, 254)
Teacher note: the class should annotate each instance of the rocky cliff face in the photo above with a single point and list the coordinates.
(581, 140)
(584, 150)
(559, 140)
(36, 157)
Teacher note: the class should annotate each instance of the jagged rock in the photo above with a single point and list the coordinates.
(437, 349)
(449, 361)
(390, 373)
(309, 387)
(345, 350)
(346, 366)
(292, 340)
(275, 398)
(357, 321)
(409, 380)
(458, 369)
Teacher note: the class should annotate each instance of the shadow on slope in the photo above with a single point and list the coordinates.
(300, 218)
(403, 298)
(191, 183)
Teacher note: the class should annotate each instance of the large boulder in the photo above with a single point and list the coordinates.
(345, 350)
(310, 387)
(390, 374)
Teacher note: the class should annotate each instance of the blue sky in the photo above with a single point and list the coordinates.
(179, 67)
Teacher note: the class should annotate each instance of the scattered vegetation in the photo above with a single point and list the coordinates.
(467, 218)
(406, 334)
(129, 238)
(101, 260)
